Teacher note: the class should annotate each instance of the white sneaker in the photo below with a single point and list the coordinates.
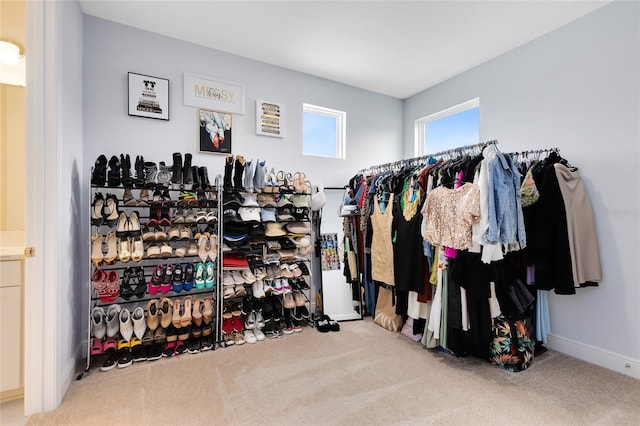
(126, 325)
(139, 324)
(237, 277)
(258, 289)
(98, 322)
(259, 335)
(249, 337)
(227, 279)
(248, 276)
(250, 323)
(259, 320)
(113, 321)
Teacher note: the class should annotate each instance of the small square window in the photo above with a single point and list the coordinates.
(323, 132)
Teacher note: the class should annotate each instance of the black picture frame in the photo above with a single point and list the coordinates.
(215, 131)
(148, 96)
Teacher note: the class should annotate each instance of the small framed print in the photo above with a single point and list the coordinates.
(269, 119)
(215, 131)
(148, 96)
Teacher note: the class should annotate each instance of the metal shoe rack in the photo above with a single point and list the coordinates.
(258, 247)
(148, 264)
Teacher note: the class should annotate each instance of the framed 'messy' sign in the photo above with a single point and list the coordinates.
(213, 94)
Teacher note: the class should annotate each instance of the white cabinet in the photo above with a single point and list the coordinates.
(11, 280)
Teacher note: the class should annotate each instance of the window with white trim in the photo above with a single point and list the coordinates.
(454, 127)
(323, 132)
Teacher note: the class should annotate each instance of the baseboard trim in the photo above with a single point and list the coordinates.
(612, 361)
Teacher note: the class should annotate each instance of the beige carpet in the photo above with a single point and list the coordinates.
(362, 375)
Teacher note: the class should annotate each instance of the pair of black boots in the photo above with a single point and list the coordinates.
(119, 171)
(233, 175)
(186, 176)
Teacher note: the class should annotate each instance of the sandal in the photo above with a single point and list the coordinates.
(96, 249)
(113, 287)
(96, 347)
(165, 250)
(185, 320)
(288, 179)
(156, 280)
(124, 251)
(199, 276)
(187, 281)
(165, 287)
(207, 311)
(282, 183)
(141, 284)
(148, 234)
(125, 288)
(111, 216)
(138, 250)
(97, 217)
(297, 183)
(109, 344)
(165, 313)
(305, 184)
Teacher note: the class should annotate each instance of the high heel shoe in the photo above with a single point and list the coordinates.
(271, 185)
(111, 211)
(203, 250)
(124, 250)
(156, 279)
(125, 286)
(139, 166)
(177, 313)
(213, 247)
(99, 172)
(141, 283)
(207, 311)
(113, 176)
(144, 198)
(185, 320)
(112, 249)
(134, 225)
(128, 198)
(122, 230)
(97, 217)
(138, 249)
(96, 249)
(125, 164)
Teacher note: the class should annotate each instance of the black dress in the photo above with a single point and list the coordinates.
(408, 254)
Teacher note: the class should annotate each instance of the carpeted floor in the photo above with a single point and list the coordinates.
(362, 375)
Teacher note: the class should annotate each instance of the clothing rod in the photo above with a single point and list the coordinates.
(426, 157)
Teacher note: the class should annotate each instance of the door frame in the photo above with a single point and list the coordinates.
(42, 388)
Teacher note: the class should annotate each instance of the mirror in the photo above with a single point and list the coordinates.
(341, 299)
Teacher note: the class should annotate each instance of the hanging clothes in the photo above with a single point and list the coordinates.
(450, 214)
(408, 258)
(581, 228)
(382, 262)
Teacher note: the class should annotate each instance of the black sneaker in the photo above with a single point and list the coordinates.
(126, 359)
(110, 362)
(302, 283)
(139, 353)
(302, 311)
(154, 352)
(206, 344)
(303, 268)
(193, 347)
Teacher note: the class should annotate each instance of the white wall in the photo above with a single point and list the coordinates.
(576, 88)
(72, 198)
(111, 50)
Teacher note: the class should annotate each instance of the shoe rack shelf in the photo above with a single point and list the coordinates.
(258, 297)
(174, 221)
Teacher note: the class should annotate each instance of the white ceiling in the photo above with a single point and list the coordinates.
(396, 48)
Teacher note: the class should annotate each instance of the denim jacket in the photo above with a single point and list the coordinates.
(506, 223)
